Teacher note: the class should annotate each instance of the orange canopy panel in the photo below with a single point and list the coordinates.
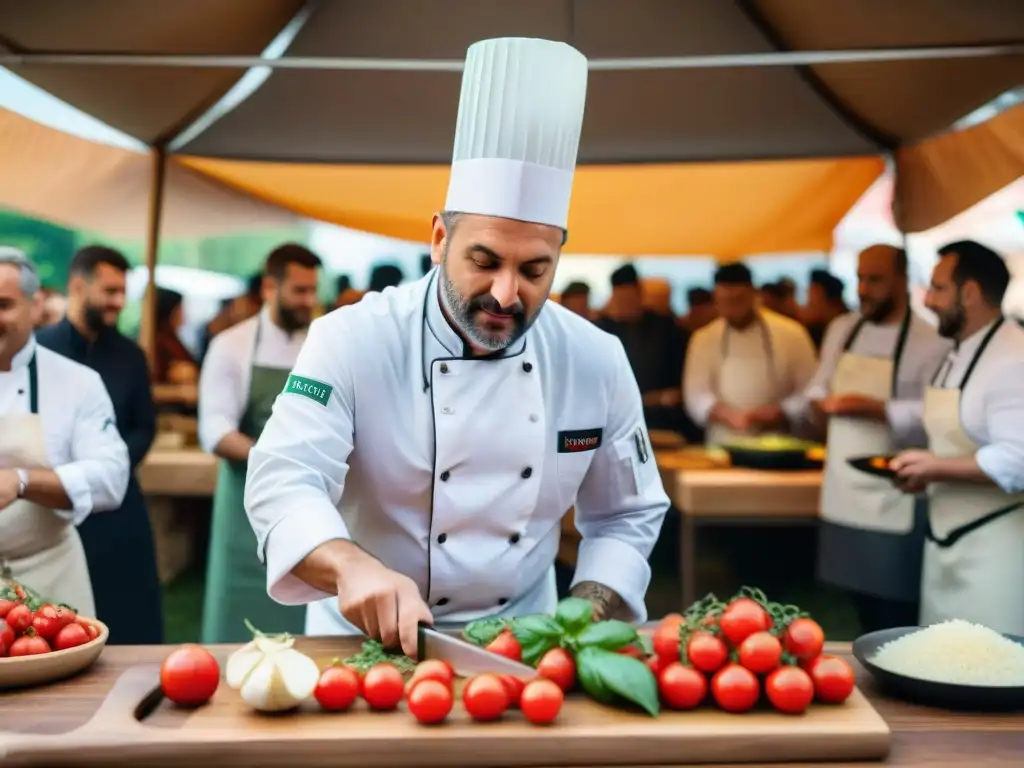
(727, 209)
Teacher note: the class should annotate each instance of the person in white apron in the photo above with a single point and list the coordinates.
(61, 457)
(974, 467)
(875, 365)
(742, 368)
(243, 372)
(431, 438)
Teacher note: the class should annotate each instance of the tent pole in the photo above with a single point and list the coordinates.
(147, 326)
(336, 63)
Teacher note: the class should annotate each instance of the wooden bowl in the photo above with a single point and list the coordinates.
(27, 671)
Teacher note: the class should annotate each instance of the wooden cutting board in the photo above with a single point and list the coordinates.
(135, 726)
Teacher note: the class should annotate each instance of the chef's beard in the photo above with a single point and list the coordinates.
(292, 320)
(95, 320)
(881, 310)
(464, 313)
(952, 322)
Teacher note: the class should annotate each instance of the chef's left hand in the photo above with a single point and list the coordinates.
(853, 405)
(766, 416)
(10, 484)
(915, 470)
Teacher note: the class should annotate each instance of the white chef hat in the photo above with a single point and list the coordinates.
(518, 130)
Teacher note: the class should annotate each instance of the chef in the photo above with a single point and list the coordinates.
(61, 457)
(973, 469)
(869, 390)
(431, 438)
(243, 372)
(741, 367)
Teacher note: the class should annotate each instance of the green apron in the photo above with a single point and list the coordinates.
(236, 580)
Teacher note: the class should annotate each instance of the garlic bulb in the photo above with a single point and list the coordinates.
(271, 675)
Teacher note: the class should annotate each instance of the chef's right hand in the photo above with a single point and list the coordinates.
(383, 603)
(733, 418)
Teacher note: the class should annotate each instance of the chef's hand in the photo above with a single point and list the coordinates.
(915, 470)
(383, 603)
(767, 417)
(10, 484)
(731, 417)
(852, 405)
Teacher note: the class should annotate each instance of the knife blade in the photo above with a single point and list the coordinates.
(465, 658)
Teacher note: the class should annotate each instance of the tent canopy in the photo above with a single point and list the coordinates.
(342, 127)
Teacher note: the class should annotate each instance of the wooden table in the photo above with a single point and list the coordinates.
(921, 736)
(731, 496)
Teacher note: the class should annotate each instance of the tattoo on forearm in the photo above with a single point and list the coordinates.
(605, 601)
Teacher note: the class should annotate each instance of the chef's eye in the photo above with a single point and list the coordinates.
(534, 271)
(485, 263)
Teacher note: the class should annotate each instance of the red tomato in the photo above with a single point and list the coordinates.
(541, 701)
(6, 637)
(46, 622)
(706, 652)
(70, 636)
(673, 620)
(515, 687)
(833, 678)
(485, 697)
(190, 676)
(430, 701)
(631, 650)
(666, 643)
(337, 688)
(790, 690)
(735, 688)
(91, 629)
(656, 664)
(28, 645)
(5, 607)
(66, 615)
(804, 639)
(761, 653)
(742, 618)
(434, 669)
(557, 665)
(682, 687)
(19, 618)
(506, 645)
(383, 686)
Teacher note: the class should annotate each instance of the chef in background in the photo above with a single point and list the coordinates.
(741, 367)
(431, 438)
(119, 543)
(61, 457)
(973, 469)
(243, 373)
(869, 392)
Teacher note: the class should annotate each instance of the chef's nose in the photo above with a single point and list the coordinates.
(505, 289)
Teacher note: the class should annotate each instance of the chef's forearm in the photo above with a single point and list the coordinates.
(962, 469)
(325, 567)
(605, 600)
(234, 446)
(45, 489)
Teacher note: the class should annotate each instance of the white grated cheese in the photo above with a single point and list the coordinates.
(955, 652)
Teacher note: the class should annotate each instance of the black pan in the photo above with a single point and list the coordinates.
(784, 459)
(864, 464)
(930, 693)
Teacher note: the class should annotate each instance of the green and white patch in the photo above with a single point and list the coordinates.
(315, 390)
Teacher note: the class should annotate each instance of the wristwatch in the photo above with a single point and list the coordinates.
(22, 482)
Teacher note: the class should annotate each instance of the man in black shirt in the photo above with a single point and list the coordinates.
(118, 544)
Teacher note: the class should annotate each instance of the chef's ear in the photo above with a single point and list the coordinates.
(970, 293)
(438, 238)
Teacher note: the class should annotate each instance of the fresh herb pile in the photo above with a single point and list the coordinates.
(372, 653)
(603, 656)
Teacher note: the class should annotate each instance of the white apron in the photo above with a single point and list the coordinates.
(41, 548)
(974, 555)
(866, 543)
(744, 382)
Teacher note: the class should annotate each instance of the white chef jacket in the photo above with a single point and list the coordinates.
(83, 445)
(792, 349)
(992, 404)
(407, 416)
(923, 351)
(227, 372)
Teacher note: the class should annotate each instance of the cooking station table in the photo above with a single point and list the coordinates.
(921, 737)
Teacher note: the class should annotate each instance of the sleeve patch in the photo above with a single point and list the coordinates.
(315, 390)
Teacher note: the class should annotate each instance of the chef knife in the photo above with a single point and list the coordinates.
(465, 658)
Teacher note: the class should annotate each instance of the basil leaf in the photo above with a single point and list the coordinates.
(528, 629)
(622, 675)
(574, 613)
(610, 635)
(588, 673)
(484, 631)
(534, 652)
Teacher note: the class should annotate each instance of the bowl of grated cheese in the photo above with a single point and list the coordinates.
(953, 664)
